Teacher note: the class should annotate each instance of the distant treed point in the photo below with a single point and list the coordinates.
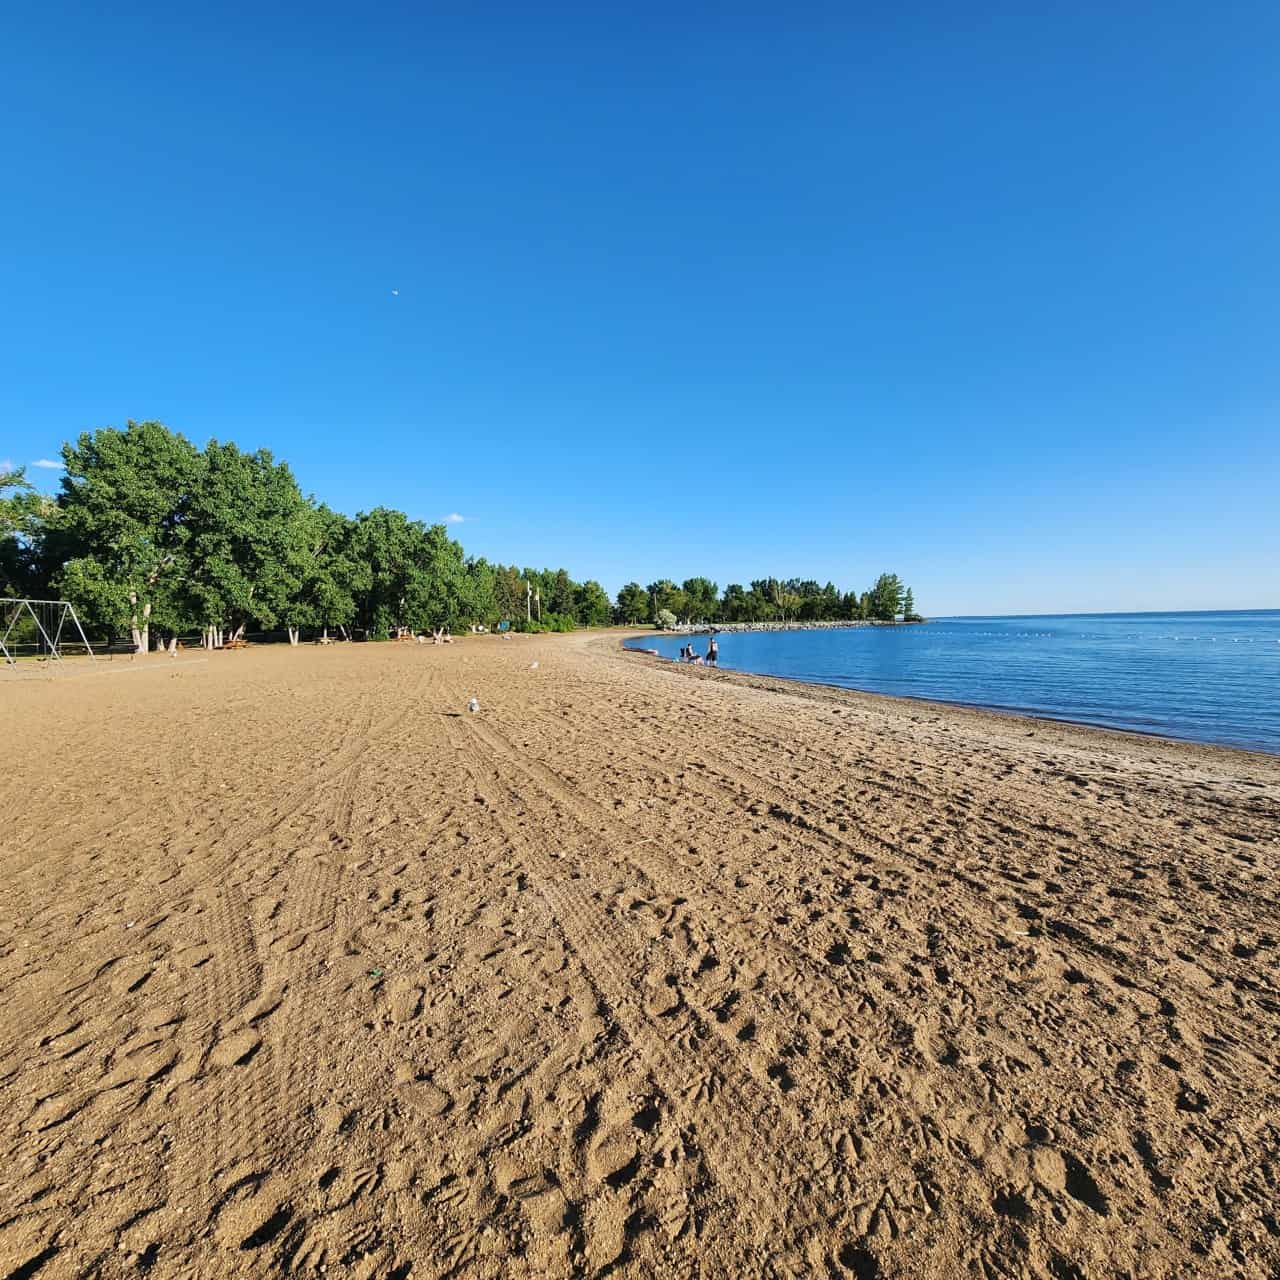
(699, 602)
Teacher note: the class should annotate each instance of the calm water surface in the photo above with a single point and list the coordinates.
(1206, 677)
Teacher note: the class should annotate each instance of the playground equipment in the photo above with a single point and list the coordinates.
(41, 629)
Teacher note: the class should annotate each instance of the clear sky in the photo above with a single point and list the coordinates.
(985, 296)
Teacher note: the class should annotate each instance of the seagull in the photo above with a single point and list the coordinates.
(395, 293)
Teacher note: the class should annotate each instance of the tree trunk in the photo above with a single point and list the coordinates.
(136, 633)
(173, 646)
(239, 632)
(293, 635)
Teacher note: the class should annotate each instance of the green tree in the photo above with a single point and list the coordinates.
(593, 606)
(665, 620)
(11, 511)
(664, 594)
(909, 606)
(441, 594)
(509, 595)
(389, 544)
(733, 606)
(121, 527)
(561, 595)
(886, 598)
(701, 599)
(21, 520)
(479, 600)
(332, 576)
(762, 603)
(249, 538)
(633, 604)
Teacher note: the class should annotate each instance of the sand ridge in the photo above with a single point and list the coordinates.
(639, 971)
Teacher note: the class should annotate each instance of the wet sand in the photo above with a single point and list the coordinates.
(639, 971)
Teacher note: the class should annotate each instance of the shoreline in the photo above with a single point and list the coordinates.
(792, 682)
(817, 688)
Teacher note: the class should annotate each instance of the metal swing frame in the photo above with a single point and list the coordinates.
(17, 609)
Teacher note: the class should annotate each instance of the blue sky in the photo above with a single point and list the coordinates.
(987, 297)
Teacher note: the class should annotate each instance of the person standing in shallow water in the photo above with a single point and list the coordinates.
(713, 651)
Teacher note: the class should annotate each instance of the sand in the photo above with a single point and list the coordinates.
(638, 971)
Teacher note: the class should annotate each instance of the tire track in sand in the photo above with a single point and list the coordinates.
(275, 1083)
(194, 875)
(868, 848)
(755, 1146)
(239, 1075)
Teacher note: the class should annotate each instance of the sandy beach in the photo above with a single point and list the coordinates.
(639, 971)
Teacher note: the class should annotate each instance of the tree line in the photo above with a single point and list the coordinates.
(699, 600)
(153, 537)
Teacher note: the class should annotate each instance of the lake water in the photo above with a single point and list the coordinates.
(1206, 677)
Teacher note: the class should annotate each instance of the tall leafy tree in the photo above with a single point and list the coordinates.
(733, 607)
(510, 596)
(701, 600)
(333, 577)
(561, 596)
(664, 594)
(633, 604)
(441, 594)
(593, 606)
(122, 527)
(22, 512)
(388, 543)
(249, 534)
(14, 481)
(886, 597)
(762, 603)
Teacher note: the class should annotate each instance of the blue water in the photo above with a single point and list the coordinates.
(1206, 677)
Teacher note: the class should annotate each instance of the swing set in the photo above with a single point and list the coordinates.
(40, 629)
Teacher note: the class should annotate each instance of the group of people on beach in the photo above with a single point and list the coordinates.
(688, 654)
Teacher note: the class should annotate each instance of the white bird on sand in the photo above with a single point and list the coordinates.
(474, 704)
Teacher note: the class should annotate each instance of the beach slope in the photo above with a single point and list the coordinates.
(637, 971)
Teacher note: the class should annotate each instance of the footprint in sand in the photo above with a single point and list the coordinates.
(236, 1049)
(424, 1098)
(536, 1191)
(662, 997)
(614, 1159)
(404, 1000)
